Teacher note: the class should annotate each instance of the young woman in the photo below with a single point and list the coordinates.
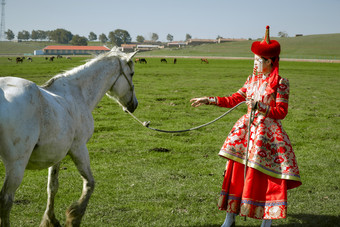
(271, 169)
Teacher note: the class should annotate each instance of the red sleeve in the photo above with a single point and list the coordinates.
(280, 110)
(230, 101)
(235, 98)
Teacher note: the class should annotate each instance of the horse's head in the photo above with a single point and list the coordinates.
(122, 89)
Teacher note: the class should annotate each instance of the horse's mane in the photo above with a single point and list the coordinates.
(113, 53)
(49, 82)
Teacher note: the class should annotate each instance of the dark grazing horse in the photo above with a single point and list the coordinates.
(143, 60)
(19, 59)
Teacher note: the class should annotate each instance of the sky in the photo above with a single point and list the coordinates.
(204, 19)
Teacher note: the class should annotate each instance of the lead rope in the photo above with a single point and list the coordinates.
(147, 123)
(251, 119)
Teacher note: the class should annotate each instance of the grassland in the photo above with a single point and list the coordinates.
(145, 178)
(304, 47)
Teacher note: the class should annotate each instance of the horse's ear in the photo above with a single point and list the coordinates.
(115, 49)
(130, 56)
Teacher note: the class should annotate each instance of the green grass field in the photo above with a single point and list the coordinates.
(146, 178)
(326, 46)
(305, 47)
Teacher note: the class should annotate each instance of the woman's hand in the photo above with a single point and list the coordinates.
(251, 104)
(199, 101)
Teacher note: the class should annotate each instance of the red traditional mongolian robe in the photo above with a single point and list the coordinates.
(272, 167)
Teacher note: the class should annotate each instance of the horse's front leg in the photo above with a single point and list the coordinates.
(49, 218)
(75, 212)
(14, 174)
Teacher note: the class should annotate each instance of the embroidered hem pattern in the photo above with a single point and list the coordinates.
(253, 209)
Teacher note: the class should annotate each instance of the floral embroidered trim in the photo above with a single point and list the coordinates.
(283, 91)
(259, 167)
(254, 209)
(242, 93)
(263, 108)
(268, 203)
(263, 212)
(212, 100)
(282, 100)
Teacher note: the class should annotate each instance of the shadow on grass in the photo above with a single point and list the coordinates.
(297, 220)
(313, 220)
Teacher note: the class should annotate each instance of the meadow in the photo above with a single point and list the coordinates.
(324, 46)
(147, 178)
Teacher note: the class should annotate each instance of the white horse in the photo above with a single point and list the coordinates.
(39, 126)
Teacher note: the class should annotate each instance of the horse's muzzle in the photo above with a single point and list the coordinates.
(132, 106)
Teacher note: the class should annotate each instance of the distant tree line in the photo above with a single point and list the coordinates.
(116, 37)
(62, 36)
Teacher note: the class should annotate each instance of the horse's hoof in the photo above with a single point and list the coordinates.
(50, 223)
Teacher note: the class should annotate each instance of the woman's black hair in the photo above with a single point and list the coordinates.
(272, 58)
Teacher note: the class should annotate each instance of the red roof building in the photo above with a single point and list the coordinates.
(128, 47)
(75, 50)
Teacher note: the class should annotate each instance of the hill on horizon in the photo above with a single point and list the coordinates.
(325, 46)
(310, 47)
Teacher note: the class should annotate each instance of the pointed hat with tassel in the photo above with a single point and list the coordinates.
(266, 48)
